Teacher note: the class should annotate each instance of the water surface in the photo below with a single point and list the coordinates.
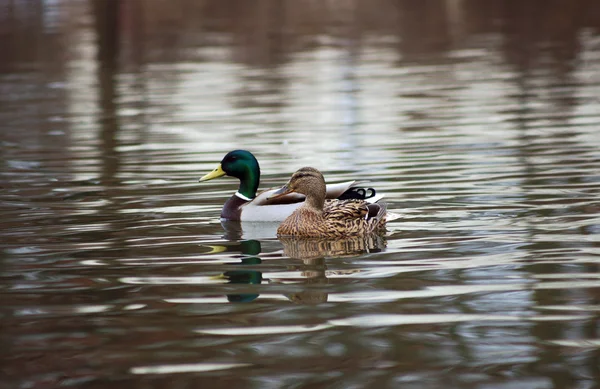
(478, 121)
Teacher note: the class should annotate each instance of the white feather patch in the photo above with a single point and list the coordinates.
(374, 199)
(241, 196)
(271, 213)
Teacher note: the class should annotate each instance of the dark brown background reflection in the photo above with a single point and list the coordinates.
(479, 120)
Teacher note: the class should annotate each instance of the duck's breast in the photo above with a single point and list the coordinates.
(267, 213)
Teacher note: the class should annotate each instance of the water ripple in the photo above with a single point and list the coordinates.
(115, 265)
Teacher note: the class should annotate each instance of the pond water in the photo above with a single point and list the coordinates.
(479, 121)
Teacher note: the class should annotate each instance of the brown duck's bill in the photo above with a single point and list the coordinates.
(218, 172)
(280, 192)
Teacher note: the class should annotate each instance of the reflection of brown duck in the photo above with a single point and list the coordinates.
(313, 271)
(341, 218)
(303, 248)
(312, 252)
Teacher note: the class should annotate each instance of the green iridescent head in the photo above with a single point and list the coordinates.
(242, 165)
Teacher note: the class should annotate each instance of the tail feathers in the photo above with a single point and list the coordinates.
(373, 211)
(390, 216)
(382, 211)
(377, 212)
(358, 193)
(374, 199)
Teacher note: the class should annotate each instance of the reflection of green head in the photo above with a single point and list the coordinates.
(252, 277)
(241, 298)
(250, 247)
(244, 166)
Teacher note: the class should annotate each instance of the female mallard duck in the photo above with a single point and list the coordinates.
(246, 205)
(341, 218)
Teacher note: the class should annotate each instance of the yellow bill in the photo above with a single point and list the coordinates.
(218, 172)
(215, 249)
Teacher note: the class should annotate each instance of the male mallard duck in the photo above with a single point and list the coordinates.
(245, 205)
(341, 218)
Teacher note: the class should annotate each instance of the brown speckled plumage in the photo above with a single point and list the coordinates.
(336, 218)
